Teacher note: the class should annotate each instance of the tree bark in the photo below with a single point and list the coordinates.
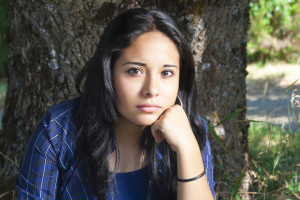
(51, 40)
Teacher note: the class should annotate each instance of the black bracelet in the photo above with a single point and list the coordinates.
(192, 179)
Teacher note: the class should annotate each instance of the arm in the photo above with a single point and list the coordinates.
(190, 164)
(174, 126)
(39, 173)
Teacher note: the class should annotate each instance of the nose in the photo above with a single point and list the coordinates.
(150, 88)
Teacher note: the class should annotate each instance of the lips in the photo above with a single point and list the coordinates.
(149, 108)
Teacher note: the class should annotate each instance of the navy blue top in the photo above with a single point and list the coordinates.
(49, 170)
(132, 185)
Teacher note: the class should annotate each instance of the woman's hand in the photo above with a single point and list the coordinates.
(173, 125)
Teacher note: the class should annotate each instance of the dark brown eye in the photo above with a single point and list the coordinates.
(167, 73)
(135, 71)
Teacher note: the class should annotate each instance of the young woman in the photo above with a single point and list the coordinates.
(134, 132)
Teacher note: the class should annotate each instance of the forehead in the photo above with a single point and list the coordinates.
(152, 45)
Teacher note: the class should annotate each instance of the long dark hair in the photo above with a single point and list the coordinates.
(97, 108)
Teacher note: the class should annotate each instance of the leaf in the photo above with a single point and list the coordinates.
(255, 121)
(219, 166)
(289, 117)
(289, 87)
(276, 161)
(211, 129)
(229, 116)
(7, 158)
(237, 185)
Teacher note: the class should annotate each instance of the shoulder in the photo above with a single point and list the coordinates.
(64, 109)
(61, 116)
(57, 130)
(50, 151)
(61, 124)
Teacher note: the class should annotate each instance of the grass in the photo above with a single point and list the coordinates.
(275, 160)
(275, 152)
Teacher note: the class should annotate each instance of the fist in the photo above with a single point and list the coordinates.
(173, 126)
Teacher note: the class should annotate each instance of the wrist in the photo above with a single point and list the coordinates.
(188, 148)
(189, 160)
(189, 164)
(193, 178)
(189, 155)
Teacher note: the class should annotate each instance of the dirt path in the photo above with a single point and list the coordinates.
(267, 98)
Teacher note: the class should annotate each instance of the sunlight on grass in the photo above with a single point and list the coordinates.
(276, 162)
(274, 149)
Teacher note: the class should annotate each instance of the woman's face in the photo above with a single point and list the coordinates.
(146, 78)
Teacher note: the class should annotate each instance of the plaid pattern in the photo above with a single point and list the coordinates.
(48, 168)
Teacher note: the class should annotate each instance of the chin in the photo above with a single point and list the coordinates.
(145, 121)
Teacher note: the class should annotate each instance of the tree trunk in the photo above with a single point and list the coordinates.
(50, 40)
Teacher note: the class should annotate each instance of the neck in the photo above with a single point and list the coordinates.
(132, 157)
(128, 134)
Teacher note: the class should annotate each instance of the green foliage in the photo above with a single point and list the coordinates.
(3, 44)
(273, 32)
(275, 156)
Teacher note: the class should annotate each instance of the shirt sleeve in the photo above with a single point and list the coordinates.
(207, 162)
(38, 175)
(208, 165)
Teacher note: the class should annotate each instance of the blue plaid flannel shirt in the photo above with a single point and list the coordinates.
(48, 168)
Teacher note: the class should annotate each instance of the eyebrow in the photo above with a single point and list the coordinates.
(135, 63)
(144, 65)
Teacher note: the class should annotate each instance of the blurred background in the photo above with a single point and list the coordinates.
(3, 55)
(273, 95)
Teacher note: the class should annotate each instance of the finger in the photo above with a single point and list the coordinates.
(156, 133)
(158, 137)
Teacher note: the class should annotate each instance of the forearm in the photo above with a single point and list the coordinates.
(189, 165)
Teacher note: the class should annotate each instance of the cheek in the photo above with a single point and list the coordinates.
(125, 90)
(169, 92)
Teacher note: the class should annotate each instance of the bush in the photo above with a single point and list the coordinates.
(273, 33)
